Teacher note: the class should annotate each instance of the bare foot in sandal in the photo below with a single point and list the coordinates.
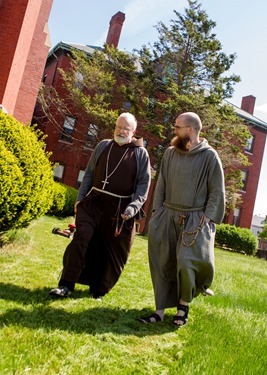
(180, 319)
(153, 318)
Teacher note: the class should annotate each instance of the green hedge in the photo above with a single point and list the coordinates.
(263, 233)
(63, 200)
(26, 176)
(236, 239)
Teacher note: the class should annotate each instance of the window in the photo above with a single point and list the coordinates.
(150, 104)
(58, 172)
(68, 128)
(244, 179)
(169, 71)
(249, 145)
(80, 178)
(236, 216)
(92, 136)
(79, 80)
(127, 106)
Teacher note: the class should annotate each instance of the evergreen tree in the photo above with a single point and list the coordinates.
(189, 71)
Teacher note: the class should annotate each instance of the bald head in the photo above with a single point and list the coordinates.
(191, 119)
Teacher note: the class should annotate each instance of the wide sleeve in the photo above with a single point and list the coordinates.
(215, 208)
(142, 184)
(160, 189)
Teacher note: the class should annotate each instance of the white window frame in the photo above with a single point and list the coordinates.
(68, 128)
(59, 172)
(236, 216)
(250, 143)
(92, 136)
(80, 176)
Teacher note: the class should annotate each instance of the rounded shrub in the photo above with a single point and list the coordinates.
(11, 186)
(63, 200)
(236, 239)
(26, 176)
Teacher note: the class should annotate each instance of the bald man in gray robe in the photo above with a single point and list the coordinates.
(189, 198)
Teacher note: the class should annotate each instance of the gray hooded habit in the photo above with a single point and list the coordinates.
(180, 242)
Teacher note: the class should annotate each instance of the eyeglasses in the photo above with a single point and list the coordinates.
(126, 130)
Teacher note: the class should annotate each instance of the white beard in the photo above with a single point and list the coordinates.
(121, 140)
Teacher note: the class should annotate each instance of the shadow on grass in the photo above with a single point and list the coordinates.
(40, 313)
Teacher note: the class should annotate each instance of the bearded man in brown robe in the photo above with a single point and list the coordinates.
(113, 191)
(189, 198)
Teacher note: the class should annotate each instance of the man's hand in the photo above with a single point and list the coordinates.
(125, 217)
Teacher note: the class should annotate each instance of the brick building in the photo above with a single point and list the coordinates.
(254, 150)
(73, 140)
(72, 156)
(24, 44)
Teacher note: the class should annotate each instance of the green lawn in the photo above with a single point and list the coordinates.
(225, 334)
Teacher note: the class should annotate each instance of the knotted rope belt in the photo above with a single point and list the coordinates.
(181, 222)
(118, 228)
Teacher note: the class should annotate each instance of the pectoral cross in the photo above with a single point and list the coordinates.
(105, 182)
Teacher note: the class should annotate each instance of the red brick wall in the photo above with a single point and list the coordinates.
(9, 35)
(72, 155)
(248, 103)
(249, 196)
(115, 27)
(23, 54)
(36, 60)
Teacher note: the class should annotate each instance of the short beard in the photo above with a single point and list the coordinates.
(121, 141)
(181, 143)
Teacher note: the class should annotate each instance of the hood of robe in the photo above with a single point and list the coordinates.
(202, 146)
(136, 142)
